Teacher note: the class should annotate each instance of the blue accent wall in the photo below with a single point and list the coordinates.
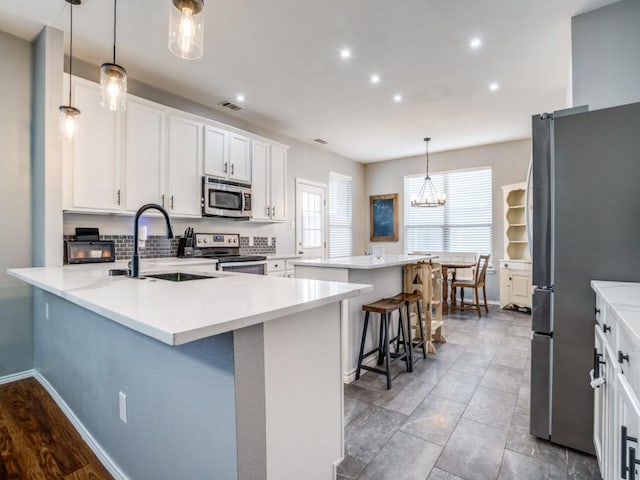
(181, 400)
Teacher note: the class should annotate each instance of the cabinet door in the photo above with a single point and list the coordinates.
(239, 158)
(278, 183)
(94, 163)
(520, 288)
(260, 208)
(627, 425)
(184, 166)
(505, 287)
(144, 154)
(609, 438)
(605, 368)
(216, 153)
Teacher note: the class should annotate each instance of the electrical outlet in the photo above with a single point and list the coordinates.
(123, 407)
(46, 311)
(293, 224)
(251, 241)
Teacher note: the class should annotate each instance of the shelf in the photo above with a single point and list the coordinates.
(518, 241)
(517, 225)
(516, 206)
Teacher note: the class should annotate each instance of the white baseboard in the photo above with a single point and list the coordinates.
(14, 377)
(104, 458)
(350, 376)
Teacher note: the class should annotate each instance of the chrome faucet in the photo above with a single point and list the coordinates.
(135, 260)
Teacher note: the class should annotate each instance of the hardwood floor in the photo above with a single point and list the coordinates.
(37, 441)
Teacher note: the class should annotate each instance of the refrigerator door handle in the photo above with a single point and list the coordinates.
(527, 207)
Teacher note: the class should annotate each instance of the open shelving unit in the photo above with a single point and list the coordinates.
(515, 267)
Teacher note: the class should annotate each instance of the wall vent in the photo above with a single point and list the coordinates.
(321, 141)
(230, 105)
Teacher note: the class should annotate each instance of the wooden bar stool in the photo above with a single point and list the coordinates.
(410, 299)
(385, 308)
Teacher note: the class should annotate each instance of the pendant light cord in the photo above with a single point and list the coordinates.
(70, 49)
(427, 142)
(115, 4)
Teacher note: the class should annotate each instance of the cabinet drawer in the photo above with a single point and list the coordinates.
(523, 266)
(275, 266)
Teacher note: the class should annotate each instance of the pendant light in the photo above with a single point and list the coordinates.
(186, 28)
(428, 195)
(113, 78)
(68, 122)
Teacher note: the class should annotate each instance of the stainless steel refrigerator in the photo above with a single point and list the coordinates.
(586, 225)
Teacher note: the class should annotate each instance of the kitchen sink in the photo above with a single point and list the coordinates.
(178, 276)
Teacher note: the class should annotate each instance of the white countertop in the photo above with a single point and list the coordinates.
(180, 312)
(281, 256)
(624, 299)
(364, 262)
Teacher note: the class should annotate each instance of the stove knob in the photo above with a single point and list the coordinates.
(204, 240)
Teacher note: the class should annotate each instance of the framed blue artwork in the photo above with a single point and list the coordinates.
(384, 217)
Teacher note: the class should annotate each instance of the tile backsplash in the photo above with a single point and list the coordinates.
(160, 246)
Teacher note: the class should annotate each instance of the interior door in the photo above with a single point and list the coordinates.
(311, 219)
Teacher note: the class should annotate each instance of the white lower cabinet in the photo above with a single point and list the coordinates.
(616, 428)
(281, 268)
(515, 283)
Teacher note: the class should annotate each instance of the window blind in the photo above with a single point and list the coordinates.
(340, 214)
(464, 224)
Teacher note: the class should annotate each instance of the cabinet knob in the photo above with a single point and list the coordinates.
(606, 328)
(622, 357)
(232, 168)
(225, 167)
(596, 311)
(171, 202)
(118, 196)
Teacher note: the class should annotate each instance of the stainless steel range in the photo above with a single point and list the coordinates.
(225, 247)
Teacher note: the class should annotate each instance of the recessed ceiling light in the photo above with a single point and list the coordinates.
(475, 43)
(240, 97)
(345, 53)
(397, 98)
(375, 78)
(494, 86)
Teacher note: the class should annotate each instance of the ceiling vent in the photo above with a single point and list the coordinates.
(321, 141)
(230, 105)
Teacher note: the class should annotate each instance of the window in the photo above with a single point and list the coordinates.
(340, 206)
(464, 224)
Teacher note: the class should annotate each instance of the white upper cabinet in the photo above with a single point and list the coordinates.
(184, 166)
(152, 153)
(260, 201)
(227, 154)
(269, 185)
(239, 158)
(92, 160)
(144, 154)
(216, 152)
(278, 183)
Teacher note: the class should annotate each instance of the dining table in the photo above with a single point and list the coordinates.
(453, 266)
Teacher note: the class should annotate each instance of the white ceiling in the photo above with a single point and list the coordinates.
(283, 55)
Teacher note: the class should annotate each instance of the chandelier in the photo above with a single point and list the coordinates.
(428, 195)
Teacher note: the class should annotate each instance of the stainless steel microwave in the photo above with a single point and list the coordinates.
(224, 198)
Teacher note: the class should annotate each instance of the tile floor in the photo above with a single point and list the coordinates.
(463, 414)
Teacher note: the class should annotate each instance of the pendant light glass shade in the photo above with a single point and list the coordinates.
(69, 115)
(113, 87)
(113, 78)
(186, 28)
(428, 196)
(69, 121)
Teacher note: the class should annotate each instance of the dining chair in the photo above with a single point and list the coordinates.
(476, 283)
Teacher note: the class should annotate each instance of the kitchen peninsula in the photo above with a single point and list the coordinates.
(218, 375)
(384, 274)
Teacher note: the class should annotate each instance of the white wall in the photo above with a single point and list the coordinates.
(304, 161)
(509, 162)
(605, 46)
(16, 337)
